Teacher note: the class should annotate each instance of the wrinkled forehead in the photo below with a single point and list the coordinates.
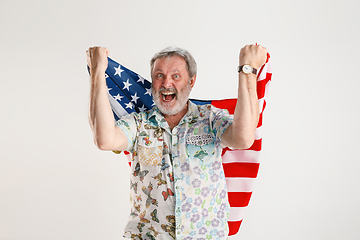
(170, 63)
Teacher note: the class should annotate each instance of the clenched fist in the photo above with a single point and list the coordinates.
(97, 59)
(254, 55)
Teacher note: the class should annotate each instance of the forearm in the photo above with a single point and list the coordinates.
(100, 114)
(241, 134)
(246, 113)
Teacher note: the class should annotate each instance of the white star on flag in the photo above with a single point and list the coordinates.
(148, 91)
(143, 108)
(134, 98)
(118, 97)
(118, 71)
(141, 79)
(129, 105)
(127, 85)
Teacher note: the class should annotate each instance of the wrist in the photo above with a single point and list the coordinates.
(250, 62)
(98, 77)
(97, 72)
(247, 81)
(247, 69)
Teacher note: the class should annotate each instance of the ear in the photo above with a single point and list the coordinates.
(192, 81)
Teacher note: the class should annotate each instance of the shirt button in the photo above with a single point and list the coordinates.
(177, 187)
(175, 165)
(178, 232)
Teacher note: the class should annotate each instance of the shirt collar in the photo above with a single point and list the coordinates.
(155, 114)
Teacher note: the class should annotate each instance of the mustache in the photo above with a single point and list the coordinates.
(163, 89)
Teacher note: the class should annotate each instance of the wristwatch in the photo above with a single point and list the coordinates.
(247, 69)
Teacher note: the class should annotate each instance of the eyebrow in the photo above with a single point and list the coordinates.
(159, 70)
(174, 71)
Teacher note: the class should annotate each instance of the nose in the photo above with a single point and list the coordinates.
(168, 82)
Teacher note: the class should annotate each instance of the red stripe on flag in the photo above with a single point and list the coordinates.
(241, 169)
(234, 227)
(256, 145)
(261, 85)
(264, 105)
(226, 149)
(239, 199)
(228, 104)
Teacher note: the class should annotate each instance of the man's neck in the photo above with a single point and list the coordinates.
(173, 120)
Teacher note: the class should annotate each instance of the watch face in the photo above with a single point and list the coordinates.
(246, 69)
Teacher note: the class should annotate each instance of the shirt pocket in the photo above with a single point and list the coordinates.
(200, 148)
(149, 152)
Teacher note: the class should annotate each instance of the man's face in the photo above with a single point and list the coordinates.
(171, 84)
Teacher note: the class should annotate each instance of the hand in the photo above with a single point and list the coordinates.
(97, 59)
(254, 55)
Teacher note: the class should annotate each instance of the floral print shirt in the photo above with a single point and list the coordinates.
(177, 182)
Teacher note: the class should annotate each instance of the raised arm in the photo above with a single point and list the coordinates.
(241, 133)
(106, 135)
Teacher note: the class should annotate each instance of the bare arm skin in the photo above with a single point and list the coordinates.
(241, 133)
(107, 136)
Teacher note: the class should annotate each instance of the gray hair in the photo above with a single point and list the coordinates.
(171, 51)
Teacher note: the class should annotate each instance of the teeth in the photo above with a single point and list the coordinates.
(167, 93)
(164, 94)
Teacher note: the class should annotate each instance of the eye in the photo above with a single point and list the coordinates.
(176, 76)
(159, 75)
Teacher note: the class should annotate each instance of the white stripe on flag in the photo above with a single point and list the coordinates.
(239, 184)
(261, 105)
(236, 213)
(267, 90)
(266, 69)
(258, 133)
(262, 76)
(241, 156)
(128, 157)
(116, 107)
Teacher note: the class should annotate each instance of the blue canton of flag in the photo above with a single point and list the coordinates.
(127, 91)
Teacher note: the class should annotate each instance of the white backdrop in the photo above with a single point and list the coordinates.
(55, 184)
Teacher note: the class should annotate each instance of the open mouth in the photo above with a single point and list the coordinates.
(168, 96)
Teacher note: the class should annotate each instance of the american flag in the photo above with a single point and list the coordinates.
(129, 92)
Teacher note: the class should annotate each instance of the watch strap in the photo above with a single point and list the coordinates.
(254, 70)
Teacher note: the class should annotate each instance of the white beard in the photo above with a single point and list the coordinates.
(181, 99)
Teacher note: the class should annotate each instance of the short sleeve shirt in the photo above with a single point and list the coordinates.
(177, 182)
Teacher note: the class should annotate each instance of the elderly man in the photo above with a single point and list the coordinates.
(177, 183)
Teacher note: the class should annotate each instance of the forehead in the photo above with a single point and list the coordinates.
(170, 63)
